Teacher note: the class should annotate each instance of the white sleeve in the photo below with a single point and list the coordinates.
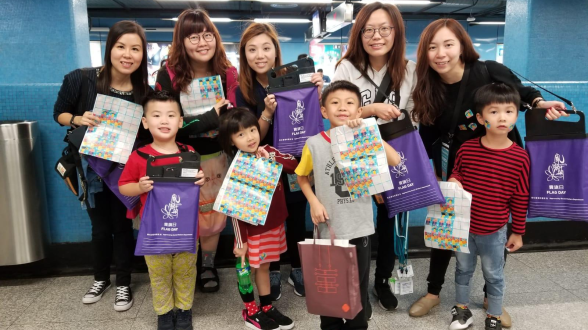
(342, 72)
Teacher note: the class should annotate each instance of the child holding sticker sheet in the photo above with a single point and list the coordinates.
(350, 219)
(259, 52)
(173, 276)
(239, 129)
(495, 170)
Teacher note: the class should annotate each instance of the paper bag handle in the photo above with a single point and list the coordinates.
(317, 234)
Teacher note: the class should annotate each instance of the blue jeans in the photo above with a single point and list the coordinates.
(490, 248)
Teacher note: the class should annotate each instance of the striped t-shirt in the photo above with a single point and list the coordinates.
(498, 179)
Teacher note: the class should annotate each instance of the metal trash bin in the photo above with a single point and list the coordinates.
(23, 204)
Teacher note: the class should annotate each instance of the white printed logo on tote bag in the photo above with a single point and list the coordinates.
(400, 169)
(297, 115)
(555, 171)
(170, 211)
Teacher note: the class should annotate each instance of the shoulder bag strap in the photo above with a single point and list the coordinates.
(459, 101)
(568, 102)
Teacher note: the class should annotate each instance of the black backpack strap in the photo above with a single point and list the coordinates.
(182, 147)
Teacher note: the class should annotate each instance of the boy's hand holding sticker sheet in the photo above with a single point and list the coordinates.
(360, 155)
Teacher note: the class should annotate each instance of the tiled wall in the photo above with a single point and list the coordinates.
(68, 223)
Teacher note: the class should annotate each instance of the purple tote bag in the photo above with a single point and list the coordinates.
(415, 184)
(298, 117)
(170, 219)
(298, 114)
(558, 178)
(110, 173)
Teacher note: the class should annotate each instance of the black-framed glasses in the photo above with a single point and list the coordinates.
(195, 38)
(384, 31)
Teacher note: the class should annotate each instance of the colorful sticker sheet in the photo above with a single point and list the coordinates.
(202, 95)
(361, 158)
(248, 188)
(447, 226)
(114, 137)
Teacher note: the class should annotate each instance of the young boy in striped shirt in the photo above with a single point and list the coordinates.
(495, 171)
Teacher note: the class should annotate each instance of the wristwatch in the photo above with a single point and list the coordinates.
(71, 121)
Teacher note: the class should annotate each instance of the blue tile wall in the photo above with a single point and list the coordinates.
(546, 40)
(67, 222)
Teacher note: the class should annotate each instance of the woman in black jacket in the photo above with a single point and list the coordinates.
(446, 60)
(124, 76)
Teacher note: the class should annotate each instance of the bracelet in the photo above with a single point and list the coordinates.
(266, 119)
(536, 102)
(71, 121)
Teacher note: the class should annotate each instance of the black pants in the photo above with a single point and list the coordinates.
(385, 232)
(111, 231)
(438, 267)
(295, 232)
(364, 250)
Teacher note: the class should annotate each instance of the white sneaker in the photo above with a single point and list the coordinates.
(124, 299)
(96, 291)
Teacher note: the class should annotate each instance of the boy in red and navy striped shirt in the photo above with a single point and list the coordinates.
(495, 171)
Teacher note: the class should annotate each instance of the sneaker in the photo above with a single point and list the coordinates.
(96, 291)
(259, 321)
(505, 318)
(386, 298)
(283, 321)
(166, 321)
(462, 318)
(275, 285)
(124, 298)
(297, 281)
(493, 323)
(184, 320)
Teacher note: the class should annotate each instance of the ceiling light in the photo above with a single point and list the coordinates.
(221, 19)
(400, 2)
(486, 23)
(281, 20)
(298, 1)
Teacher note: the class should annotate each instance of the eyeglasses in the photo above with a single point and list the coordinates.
(195, 38)
(384, 31)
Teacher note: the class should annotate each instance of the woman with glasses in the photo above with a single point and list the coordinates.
(375, 62)
(196, 52)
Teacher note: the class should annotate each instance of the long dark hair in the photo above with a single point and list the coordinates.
(359, 57)
(429, 92)
(247, 74)
(194, 21)
(139, 78)
(232, 122)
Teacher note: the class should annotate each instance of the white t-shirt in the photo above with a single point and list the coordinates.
(346, 71)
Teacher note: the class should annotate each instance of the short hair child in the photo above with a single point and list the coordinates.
(503, 167)
(500, 93)
(181, 267)
(340, 85)
(232, 122)
(350, 219)
(158, 96)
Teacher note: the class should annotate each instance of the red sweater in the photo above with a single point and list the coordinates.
(498, 179)
(278, 212)
(136, 168)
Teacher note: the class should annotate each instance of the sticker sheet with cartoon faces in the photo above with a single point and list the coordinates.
(114, 137)
(361, 158)
(447, 226)
(248, 188)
